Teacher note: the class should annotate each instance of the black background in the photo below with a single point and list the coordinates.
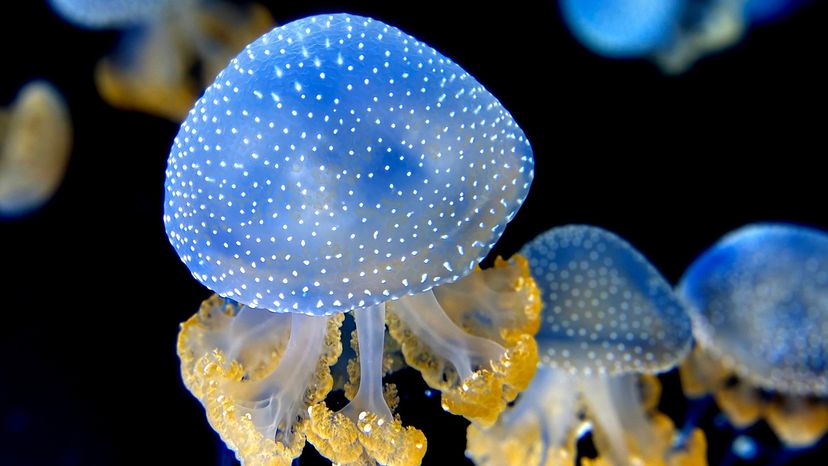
(92, 293)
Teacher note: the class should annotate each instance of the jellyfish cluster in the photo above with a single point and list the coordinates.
(170, 51)
(674, 34)
(340, 170)
(338, 187)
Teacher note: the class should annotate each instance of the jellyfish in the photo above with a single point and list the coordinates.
(340, 165)
(171, 49)
(110, 13)
(674, 34)
(621, 28)
(759, 304)
(609, 323)
(35, 142)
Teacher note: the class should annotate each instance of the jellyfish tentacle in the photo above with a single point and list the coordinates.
(257, 402)
(477, 376)
(619, 414)
(273, 400)
(424, 316)
(539, 430)
(365, 430)
(370, 324)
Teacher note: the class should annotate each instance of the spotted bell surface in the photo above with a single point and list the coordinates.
(338, 162)
(606, 308)
(759, 299)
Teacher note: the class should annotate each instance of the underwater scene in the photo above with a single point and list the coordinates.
(567, 232)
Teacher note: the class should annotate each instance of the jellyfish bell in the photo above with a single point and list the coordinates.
(758, 303)
(35, 143)
(608, 317)
(621, 28)
(378, 162)
(674, 34)
(338, 164)
(97, 14)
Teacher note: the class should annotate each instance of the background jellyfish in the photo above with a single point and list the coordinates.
(673, 33)
(758, 303)
(35, 142)
(171, 50)
(621, 28)
(335, 165)
(608, 316)
(110, 13)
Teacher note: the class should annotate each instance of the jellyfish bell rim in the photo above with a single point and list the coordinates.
(456, 263)
(705, 332)
(581, 365)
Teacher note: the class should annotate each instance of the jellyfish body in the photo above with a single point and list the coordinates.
(35, 143)
(109, 13)
(338, 164)
(621, 28)
(608, 317)
(758, 301)
(152, 70)
(672, 33)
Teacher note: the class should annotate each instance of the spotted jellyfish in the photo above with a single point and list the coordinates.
(171, 50)
(340, 165)
(35, 143)
(609, 322)
(759, 303)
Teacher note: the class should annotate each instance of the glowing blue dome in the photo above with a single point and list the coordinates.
(622, 28)
(606, 308)
(338, 162)
(759, 301)
(109, 13)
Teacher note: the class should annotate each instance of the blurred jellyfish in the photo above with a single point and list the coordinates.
(35, 142)
(171, 50)
(621, 28)
(338, 164)
(759, 303)
(673, 33)
(608, 317)
(111, 13)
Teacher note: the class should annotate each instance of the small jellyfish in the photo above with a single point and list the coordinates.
(171, 50)
(340, 165)
(759, 304)
(35, 143)
(609, 322)
(672, 33)
(621, 28)
(110, 13)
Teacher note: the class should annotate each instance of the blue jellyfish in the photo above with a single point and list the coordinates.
(110, 13)
(165, 40)
(672, 33)
(608, 317)
(338, 164)
(621, 28)
(35, 143)
(759, 303)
